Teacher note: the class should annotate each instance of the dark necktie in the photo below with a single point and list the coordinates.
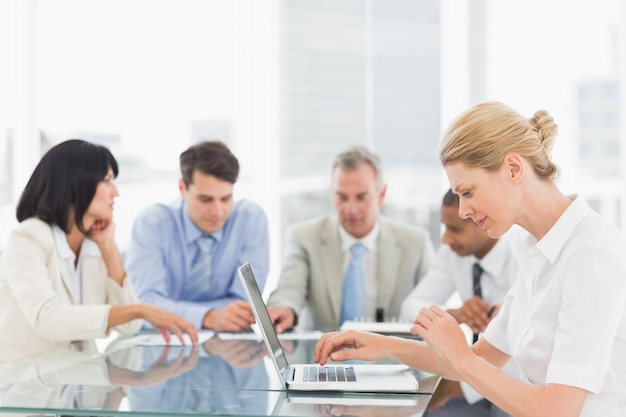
(477, 271)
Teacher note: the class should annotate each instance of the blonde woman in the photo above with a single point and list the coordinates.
(564, 319)
(61, 274)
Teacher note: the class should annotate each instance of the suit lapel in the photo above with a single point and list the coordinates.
(388, 265)
(65, 278)
(57, 264)
(331, 255)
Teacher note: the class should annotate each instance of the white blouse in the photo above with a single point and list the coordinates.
(564, 320)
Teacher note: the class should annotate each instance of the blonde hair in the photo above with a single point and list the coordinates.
(484, 134)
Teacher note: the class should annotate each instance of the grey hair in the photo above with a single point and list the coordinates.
(357, 155)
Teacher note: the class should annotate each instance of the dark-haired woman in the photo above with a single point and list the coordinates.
(61, 274)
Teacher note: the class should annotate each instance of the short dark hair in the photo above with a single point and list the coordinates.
(450, 199)
(211, 158)
(66, 176)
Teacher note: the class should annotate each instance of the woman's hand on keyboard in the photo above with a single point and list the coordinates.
(361, 345)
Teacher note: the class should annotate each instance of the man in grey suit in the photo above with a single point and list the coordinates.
(318, 252)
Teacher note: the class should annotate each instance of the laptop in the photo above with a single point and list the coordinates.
(348, 377)
(297, 403)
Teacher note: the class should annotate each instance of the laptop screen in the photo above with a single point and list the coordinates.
(262, 316)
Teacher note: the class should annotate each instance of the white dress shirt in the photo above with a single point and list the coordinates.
(564, 319)
(88, 248)
(452, 273)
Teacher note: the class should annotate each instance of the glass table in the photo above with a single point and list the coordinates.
(223, 376)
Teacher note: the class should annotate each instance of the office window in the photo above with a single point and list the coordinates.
(601, 120)
(599, 92)
(360, 72)
(288, 84)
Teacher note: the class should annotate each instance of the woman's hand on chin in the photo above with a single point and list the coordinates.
(99, 225)
(102, 231)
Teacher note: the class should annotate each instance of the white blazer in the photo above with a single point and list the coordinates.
(38, 312)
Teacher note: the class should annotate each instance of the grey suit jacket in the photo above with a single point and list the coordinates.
(312, 268)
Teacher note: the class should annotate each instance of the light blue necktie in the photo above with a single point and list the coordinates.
(198, 282)
(353, 286)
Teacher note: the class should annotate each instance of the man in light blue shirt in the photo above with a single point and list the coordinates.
(167, 240)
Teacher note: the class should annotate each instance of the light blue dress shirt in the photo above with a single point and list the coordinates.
(163, 246)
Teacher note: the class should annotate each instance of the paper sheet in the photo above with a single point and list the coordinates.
(283, 336)
(388, 327)
(156, 339)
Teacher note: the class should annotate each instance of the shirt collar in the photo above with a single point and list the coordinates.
(193, 232)
(60, 241)
(369, 240)
(552, 243)
(88, 247)
(496, 259)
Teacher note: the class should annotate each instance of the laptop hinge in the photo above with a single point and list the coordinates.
(289, 374)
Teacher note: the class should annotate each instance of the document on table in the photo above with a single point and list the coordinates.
(385, 327)
(156, 339)
(283, 336)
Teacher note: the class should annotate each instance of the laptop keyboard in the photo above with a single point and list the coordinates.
(328, 374)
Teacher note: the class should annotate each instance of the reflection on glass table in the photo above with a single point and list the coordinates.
(229, 377)
(388, 405)
(55, 380)
(154, 379)
(221, 376)
(449, 401)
